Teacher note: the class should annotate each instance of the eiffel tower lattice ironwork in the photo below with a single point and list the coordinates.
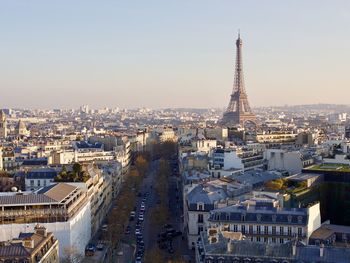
(238, 110)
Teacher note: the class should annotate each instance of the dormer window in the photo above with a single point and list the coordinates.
(289, 218)
(200, 206)
(258, 217)
(300, 219)
(243, 217)
(274, 218)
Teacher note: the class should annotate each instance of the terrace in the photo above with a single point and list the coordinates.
(330, 167)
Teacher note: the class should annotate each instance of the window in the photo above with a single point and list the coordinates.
(273, 230)
(200, 218)
(44, 182)
(31, 182)
(300, 231)
(258, 229)
(200, 207)
(266, 230)
(200, 229)
(235, 228)
(258, 239)
(281, 241)
(289, 231)
(265, 239)
(243, 229)
(273, 240)
(274, 217)
(281, 231)
(38, 182)
(250, 229)
(258, 217)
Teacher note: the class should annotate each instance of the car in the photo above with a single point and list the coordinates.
(141, 217)
(171, 250)
(138, 260)
(162, 245)
(100, 246)
(104, 227)
(137, 231)
(90, 250)
(141, 247)
(139, 253)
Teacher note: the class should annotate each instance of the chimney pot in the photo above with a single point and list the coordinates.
(322, 250)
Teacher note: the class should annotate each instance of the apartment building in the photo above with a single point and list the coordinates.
(61, 208)
(38, 247)
(242, 158)
(269, 224)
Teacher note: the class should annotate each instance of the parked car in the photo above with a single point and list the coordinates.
(137, 231)
(162, 245)
(90, 250)
(100, 246)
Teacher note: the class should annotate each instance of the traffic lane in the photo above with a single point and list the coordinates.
(149, 203)
(145, 186)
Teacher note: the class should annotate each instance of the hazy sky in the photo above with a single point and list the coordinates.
(172, 53)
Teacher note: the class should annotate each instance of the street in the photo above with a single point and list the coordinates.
(134, 246)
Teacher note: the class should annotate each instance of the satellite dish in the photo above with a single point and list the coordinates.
(14, 189)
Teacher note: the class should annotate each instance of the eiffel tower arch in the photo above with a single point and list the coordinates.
(238, 111)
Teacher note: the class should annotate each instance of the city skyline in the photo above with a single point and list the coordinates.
(158, 55)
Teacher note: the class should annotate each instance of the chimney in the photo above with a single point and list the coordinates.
(40, 230)
(229, 246)
(294, 248)
(224, 187)
(28, 242)
(321, 250)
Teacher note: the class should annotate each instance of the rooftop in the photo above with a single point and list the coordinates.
(329, 167)
(51, 194)
(270, 251)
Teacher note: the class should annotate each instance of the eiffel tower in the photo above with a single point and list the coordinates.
(238, 111)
